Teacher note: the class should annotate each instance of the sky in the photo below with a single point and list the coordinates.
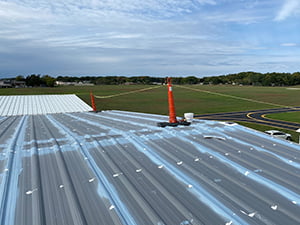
(148, 37)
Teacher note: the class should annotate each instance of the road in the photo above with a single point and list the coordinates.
(256, 116)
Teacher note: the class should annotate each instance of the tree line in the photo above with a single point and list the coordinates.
(243, 78)
(34, 80)
(257, 79)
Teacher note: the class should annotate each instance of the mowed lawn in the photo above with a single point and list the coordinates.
(199, 99)
(288, 116)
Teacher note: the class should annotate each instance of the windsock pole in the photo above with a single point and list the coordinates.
(172, 113)
(93, 102)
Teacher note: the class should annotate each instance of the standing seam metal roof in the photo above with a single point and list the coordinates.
(117, 167)
(41, 104)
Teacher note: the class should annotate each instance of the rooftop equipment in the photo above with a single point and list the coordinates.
(173, 122)
(93, 102)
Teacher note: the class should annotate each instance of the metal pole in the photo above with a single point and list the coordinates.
(93, 102)
(172, 113)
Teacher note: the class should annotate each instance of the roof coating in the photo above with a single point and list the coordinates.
(116, 167)
(41, 104)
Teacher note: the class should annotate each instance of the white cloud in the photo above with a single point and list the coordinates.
(289, 8)
(288, 44)
(102, 59)
(132, 36)
(12, 12)
(145, 8)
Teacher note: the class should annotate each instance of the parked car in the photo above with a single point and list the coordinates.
(279, 134)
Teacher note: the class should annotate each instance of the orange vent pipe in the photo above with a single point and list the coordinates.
(93, 102)
(172, 113)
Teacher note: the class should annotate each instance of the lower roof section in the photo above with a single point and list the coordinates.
(41, 104)
(119, 168)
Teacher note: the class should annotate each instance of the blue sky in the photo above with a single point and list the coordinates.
(149, 37)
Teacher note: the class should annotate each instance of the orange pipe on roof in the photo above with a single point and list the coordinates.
(172, 113)
(93, 102)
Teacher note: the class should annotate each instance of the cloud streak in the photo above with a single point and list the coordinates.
(290, 8)
(289, 44)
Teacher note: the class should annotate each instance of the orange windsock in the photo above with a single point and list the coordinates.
(93, 102)
(172, 113)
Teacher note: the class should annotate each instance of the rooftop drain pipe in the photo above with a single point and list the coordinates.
(173, 122)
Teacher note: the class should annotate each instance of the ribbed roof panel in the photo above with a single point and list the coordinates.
(119, 168)
(41, 104)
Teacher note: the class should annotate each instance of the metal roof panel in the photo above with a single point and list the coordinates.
(41, 104)
(116, 167)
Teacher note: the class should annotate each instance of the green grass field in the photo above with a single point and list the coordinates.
(199, 99)
(288, 116)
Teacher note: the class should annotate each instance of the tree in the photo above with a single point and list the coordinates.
(33, 80)
(48, 81)
(20, 78)
(295, 78)
(190, 80)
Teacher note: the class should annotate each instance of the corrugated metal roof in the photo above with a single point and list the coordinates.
(117, 167)
(41, 104)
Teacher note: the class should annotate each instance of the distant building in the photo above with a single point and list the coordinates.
(5, 84)
(12, 84)
(84, 83)
(62, 83)
(19, 84)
